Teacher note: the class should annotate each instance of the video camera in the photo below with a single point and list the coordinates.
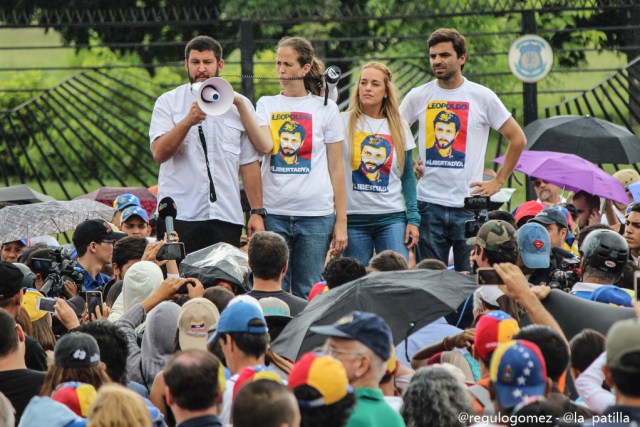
(57, 272)
(567, 271)
(479, 205)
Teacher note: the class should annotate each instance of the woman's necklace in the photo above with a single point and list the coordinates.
(374, 134)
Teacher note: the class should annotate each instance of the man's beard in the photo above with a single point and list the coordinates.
(289, 152)
(546, 196)
(203, 76)
(371, 167)
(443, 147)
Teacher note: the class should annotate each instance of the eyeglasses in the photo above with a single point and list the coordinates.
(537, 182)
(332, 351)
(108, 242)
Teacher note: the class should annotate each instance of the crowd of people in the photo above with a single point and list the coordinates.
(157, 348)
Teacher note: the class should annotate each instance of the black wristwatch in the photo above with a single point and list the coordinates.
(262, 212)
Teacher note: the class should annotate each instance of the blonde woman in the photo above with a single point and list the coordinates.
(303, 178)
(117, 406)
(382, 207)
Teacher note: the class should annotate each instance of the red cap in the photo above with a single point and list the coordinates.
(530, 208)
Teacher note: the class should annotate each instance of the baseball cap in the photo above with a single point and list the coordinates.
(530, 208)
(623, 340)
(392, 363)
(10, 280)
(368, 328)
(493, 328)
(254, 373)
(77, 304)
(613, 295)
(496, 236)
(76, 396)
(535, 245)
(490, 294)
(627, 176)
(317, 289)
(94, 230)
(518, 372)
(134, 211)
(76, 350)
(245, 298)
(550, 216)
(29, 304)
(324, 374)
(275, 308)
(198, 317)
(124, 201)
(241, 316)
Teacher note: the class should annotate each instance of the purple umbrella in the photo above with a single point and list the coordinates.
(570, 172)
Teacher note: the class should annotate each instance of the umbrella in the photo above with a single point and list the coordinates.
(406, 300)
(22, 194)
(570, 172)
(38, 219)
(596, 140)
(107, 195)
(217, 263)
(595, 315)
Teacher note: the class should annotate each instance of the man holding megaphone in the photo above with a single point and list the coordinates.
(202, 139)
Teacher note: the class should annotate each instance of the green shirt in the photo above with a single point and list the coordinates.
(372, 411)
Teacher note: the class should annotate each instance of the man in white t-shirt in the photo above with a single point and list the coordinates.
(207, 193)
(454, 117)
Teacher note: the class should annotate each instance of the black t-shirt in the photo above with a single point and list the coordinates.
(34, 355)
(296, 304)
(20, 385)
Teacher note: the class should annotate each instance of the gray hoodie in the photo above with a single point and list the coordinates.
(157, 341)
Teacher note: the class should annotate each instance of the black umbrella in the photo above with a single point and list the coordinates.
(596, 140)
(574, 314)
(406, 300)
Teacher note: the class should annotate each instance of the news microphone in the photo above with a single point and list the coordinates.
(331, 78)
(167, 211)
(562, 252)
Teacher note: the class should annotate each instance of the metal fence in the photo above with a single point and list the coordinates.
(72, 132)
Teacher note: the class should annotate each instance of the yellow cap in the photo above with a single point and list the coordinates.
(29, 303)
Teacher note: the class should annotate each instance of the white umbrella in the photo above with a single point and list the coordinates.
(38, 219)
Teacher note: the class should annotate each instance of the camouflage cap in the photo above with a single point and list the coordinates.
(494, 235)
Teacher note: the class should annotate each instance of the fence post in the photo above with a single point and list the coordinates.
(530, 92)
(246, 59)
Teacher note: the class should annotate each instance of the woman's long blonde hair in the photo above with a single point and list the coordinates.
(390, 110)
(117, 406)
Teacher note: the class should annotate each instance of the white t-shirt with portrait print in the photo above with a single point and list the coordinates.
(475, 110)
(299, 184)
(372, 140)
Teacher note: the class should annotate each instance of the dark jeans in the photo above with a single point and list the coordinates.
(199, 234)
(442, 227)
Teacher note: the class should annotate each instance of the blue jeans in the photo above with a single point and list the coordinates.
(364, 240)
(308, 238)
(442, 227)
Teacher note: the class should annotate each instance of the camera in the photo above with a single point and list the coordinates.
(479, 205)
(57, 272)
(566, 274)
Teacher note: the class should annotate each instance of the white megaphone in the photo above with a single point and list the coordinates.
(214, 95)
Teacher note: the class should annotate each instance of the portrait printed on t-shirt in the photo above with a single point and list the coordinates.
(371, 163)
(446, 140)
(292, 135)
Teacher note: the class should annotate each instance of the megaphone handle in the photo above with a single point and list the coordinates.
(212, 188)
(326, 92)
